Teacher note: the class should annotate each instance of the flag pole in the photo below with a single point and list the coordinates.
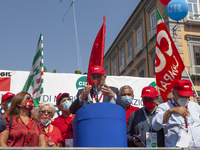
(192, 85)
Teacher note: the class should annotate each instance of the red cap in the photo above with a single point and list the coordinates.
(61, 95)
(97, 69)
(184, 87)
(149, 91)
(6, 96)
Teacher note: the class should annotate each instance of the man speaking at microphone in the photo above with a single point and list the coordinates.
(99, 92)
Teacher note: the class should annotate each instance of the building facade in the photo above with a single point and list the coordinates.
(133, 51)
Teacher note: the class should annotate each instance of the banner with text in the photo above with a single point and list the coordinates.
(55, 83)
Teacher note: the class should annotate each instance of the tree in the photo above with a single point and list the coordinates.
(77, 72)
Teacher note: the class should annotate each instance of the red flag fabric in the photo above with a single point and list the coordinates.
(96, 57)
(5, 83)
(168, 65)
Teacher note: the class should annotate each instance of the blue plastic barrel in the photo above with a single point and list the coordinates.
(100, 125)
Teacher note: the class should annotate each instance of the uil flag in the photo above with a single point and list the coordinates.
(34, 82)
(96, 57)
(168, 65)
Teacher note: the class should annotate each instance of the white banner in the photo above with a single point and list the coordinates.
(55, 83)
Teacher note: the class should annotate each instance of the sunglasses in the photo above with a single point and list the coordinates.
(45, 111)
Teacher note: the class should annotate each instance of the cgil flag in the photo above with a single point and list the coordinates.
(169, 65)
(96, 57)
(34, 82)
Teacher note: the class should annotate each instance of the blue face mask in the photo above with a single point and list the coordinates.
(8, 104)
(127, 99)
(45, 123)
(66, 105)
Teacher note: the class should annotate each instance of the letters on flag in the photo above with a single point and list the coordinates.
(169, 65)
(96, 57)
(34, 82)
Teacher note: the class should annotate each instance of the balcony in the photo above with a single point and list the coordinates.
(152, 32)
(130, 58)
(192, 19)
(139, 47)
(122, 67)
(195, 70)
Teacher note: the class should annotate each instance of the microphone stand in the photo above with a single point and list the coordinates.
(96, 95)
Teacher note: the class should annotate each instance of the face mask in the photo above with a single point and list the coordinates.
(8, 104)
(127, 99)
(183, 101)
(45, 123)
(149, 105)
(66, 105)
(28, 104)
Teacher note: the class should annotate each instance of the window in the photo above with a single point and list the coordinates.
(153, 24)
(130, 46)
(141, 68)
(196, 55)
(141, 73)
(115, 66)
(193, 9)
(122, 57)
(139, 40)
(122, 54)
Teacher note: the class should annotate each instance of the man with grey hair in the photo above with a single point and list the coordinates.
(127, 96)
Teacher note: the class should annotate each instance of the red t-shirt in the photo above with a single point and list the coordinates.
(129, 111)
(65, 126)
(18, 133)
(54, 136)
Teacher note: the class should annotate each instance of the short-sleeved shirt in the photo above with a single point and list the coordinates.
(55, 135)
(129, 111)
(18, 134)
(65, 126)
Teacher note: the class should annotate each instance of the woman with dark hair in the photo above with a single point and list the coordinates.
(22, 129)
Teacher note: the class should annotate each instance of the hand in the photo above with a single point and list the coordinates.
(137, 142)
(180, 110)
(198, 100)
(107, 91)
(85, 92)
(51, 144)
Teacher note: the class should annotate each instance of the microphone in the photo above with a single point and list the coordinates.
(95, 83)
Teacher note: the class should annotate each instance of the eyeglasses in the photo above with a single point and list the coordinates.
(64, 100)
(45, 111)
(28, 98)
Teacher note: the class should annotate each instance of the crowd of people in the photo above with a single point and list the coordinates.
(175, 123)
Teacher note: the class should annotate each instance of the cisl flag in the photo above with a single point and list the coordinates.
(168, 65)
(34, 82)
(96, 57)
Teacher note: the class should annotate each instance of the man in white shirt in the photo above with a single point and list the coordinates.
(180, 118)
(105, 93)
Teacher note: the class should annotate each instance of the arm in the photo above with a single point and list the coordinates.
(4, 138)
(175, 110)
(3, 123)
(76, 104)
(113, 93)
(42, 140)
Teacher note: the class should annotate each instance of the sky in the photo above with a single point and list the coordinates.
(22, 21)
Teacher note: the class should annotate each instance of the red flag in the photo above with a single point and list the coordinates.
(96, 57)
(5, 83)
(169, 65)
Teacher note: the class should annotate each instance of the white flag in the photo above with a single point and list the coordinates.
(34, 82)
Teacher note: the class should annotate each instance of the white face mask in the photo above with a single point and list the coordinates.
(183, 101)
